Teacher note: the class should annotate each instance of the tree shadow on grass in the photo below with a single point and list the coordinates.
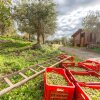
(11, 46)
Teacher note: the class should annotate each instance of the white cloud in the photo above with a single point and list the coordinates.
(61, 2)
(70, 15)
(71, 21)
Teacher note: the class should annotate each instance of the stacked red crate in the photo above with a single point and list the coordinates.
(95, 66)
(91, 73)
(67, 63)
(62, 56)
(79, 69)
(58, 92)
(72, 68)
(81, 94)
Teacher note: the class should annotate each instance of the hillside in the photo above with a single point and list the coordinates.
(15, 54)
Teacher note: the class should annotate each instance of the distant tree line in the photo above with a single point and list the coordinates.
(91, 23)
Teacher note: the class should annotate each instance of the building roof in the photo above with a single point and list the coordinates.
(77, 32)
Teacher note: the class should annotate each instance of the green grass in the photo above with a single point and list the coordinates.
(12, 59)
(11, 38)
(96, 49)
(32, 90)
(13, 62)
(9, 45)
(17, 60)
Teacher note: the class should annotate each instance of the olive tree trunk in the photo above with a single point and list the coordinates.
(43, 38)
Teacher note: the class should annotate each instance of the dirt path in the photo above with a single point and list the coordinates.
(82, 54)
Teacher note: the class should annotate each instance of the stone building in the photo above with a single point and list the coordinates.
(82, 38)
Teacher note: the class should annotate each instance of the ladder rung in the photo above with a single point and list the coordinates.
(56, 59)
(8, 81)
(41, 66)
(23, 75)
(49, 62)
(33, 70)
(52, 62)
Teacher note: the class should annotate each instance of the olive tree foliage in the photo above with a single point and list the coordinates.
(91, 23)
(37, 18)
(5, 15)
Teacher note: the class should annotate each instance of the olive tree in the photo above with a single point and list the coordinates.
(37, 18)
(91, 23)
(5, 15)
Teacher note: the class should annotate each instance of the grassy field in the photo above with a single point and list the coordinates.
(13, 57)
(96, 49)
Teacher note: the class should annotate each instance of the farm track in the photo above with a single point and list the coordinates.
(80, 53)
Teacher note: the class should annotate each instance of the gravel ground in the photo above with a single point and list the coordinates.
(82, 54)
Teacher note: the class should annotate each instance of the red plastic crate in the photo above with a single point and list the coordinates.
(98, 72)
(71, 75)
(67, 64)
(68, 71)
(62, 56)
(57, 92)
(80, 94)
(87, 64)
(98, 63)
(66, 67)
(93, 60)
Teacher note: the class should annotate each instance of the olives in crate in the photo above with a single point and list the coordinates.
(76, 68)
(94, 94)
(87, 78)
(55, 79)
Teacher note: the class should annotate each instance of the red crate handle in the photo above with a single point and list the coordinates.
(54, 71)
(60, 90)
(72, 78)
(83, 96)
(83, 83)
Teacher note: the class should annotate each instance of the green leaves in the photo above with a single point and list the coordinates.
(5, 20)
(91, 21)
(12, 61)
(36, 18)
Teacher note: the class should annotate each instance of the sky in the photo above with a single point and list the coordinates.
(70, 14)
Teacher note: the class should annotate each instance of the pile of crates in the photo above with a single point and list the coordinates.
(75, 88)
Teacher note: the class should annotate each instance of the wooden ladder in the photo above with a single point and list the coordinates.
(36, 69)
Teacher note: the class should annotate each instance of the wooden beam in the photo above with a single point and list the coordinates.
(41, 66)
(8, 81)
(23, 75)
(33, 70)
(57, 58)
